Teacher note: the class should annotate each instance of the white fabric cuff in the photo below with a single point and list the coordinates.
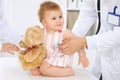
(91, 42)
(0, 45)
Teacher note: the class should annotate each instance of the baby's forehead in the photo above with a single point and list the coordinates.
(53, 12)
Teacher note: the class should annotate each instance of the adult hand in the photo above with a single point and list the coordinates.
(9, 47)
(71, 45)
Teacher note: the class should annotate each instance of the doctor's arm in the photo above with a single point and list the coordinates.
(103, 41)
(87, 17)
(9, 37)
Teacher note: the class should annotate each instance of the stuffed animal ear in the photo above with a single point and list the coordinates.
(22, 44)
(40, 27)
(37, 27)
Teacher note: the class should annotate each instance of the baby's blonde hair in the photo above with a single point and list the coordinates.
(47, 6)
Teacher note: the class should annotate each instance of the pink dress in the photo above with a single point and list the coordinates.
(54, 56)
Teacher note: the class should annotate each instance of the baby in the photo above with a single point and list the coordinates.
(57, 64)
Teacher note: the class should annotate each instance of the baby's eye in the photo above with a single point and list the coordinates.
(60, 16)
(54, 18)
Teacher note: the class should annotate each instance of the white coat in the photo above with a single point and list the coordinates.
(8, 33)
(107, 44)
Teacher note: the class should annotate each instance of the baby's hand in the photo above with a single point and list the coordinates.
(82, 58)
(9, 47)
(84, 61)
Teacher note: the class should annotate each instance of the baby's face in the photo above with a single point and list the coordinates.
(53, 20)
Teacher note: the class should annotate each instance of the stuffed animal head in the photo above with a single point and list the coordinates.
(32, 37)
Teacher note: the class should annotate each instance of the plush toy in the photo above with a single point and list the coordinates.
(34, 50)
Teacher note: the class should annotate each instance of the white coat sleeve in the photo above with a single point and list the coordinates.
(0, 45)
(9, 33)
(105, 41)
(86, 18)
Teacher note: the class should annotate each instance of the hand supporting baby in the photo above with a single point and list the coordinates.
(71, 45)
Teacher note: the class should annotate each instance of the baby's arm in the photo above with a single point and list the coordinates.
(82, 58)
(68, 34)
